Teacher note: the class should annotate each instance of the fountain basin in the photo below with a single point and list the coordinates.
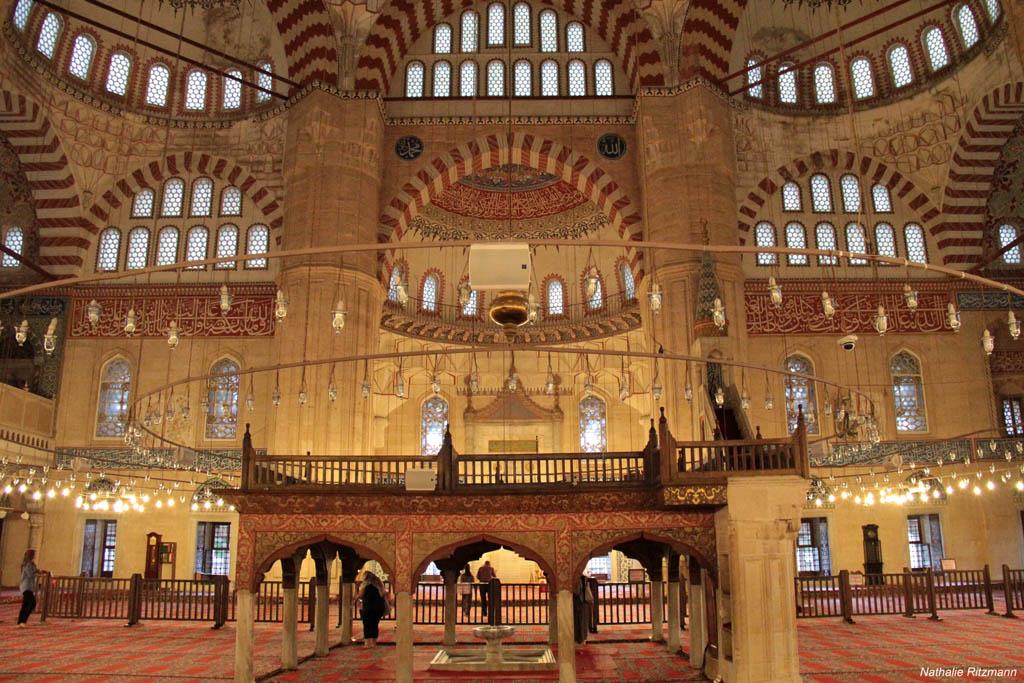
(494, 656)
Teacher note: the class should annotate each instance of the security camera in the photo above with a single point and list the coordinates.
(849, 342)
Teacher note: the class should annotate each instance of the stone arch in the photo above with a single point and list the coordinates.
(307, 33)
(291, 543)
(546, 561)
(697, 542)
(706, 41)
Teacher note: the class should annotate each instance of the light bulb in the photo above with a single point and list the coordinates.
(250, 401)
(275, 397)
(474, 382)
(656, 390)
(130, 322)
(1020, 485)
(549, 385)
(718, 314)
(827, 307)
(990, 485)
(655, 297)
(952, 317)
(910, 296)
(50, 338)
(688, 390)
(745, 399)
(435, 383)
(92, 312)
(365, 389)
(338, 317)
(332, 392)
(401, 294)
(280, 306)
(988, 342)
(532, 308)
(774, 292)
(976, 490)
(949, 490)
(513, 381)
(769, 402)
(881, 321)
(303, 396)
(623, 389)
(173, 336)
(399, 386)
(719, 397)
(592, 282)
(21, 334)
(225, 300)
(1013, 324)
(465, 292)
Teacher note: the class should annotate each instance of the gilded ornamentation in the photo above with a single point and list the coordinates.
(712, 494)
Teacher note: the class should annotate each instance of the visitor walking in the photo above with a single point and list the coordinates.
(484, 576)
(373, 604)
(28, 586)
(466, 591)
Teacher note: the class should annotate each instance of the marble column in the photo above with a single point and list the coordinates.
(403, 637)
(566, 639)
(289, 628)
(657, 607)
(244, 627)
(552, 616)
(451, 577)
(321, 617)
(35, 531)
(345, 611)
(698, 615)
(674, 641)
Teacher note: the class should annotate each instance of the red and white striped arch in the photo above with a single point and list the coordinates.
(706, 41)
(401, 22)
(307, 33)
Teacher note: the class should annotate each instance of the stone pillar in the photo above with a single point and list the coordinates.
(403, 637)
(698, 615)
(345, 611)
(552, 616)
(321, 625)
(674, 641)
(657, 609)
(35, 531)
(289, 627)
(757, 532)
(566, 639)
(244, 623)
(451, 577)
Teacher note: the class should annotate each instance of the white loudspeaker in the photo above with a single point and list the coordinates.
(499, 267)
(420, 480)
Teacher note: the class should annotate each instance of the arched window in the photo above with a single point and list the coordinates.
(442, 39)
(174, 196)
(137, 255)
(142, 204)
(471, 309)
(227, 245)
(850, 187)
(257, 241)
(433, 423)
(968, 26)
(1007, 235)
(521, 24)
(81, 56)
(913, 235)
(593, 425)
(414, 79)
(48, 34)
(555, 298)
(156, 86)
(754, 76)
(14, 239)
(577, 78)
(167, 246)
(764, 236)
(935, 46)
(112, 406)
(442, 79)
(800, 394)
(196, 245)
(232, 89)
(603, 84)
(470, 31)
(495, 24)
(21, 12)
(628, 283)
(881, 199)
(863, 81)
(825, 239)
(992, 6)
(908, 393)
(393, 282)
(265, 80)
(202, 197)
(117, 73)
(856, 243)
(821, 193)
(108, 249)
(522, 75)
(899, 65)
(467, 78)
(796, 238)
(787, 83)
(574, 37)
(824, 84)
(885, 240)
(195, 91)
(231, 201)
(548, 31)
(549, 78)
(596, 300)
(430, 293)
(495, 78)
(222, 400)
(791, 200)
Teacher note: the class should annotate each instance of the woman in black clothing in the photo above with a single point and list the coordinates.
(373, 604)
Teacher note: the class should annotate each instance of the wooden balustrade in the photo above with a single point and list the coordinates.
(547, 470)
(1013, 590)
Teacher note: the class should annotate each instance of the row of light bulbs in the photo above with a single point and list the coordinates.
(49, 338)
(922, 493)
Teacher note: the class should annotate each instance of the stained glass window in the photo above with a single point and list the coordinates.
(523, 78)
(800, 394)
(108, 249)
(913, 235)
(825, 238)
(574, 37)
(117, 73)
(935, 44)
(233, 89)
(821, 193)
(521, 24)
(433, 421)
(14, 239)
(112, 406)
(824, 84)
(908, 393)
(156, 87)
(222, 399)
(137, 256)
(167, 246)
(549, 78)
(495, 24)
(47, 42)
(202, 197)
(555, 297)
(81, 56)
(1007, 236)
(393, 282)
(231, 201)
(195, 91)
(885, 240)
(430, 293)
(628, 283)
(968, 26)
(213, 548)
(196, 244)
(787, 84)
(414, 79)
(442, 39)
(856, 243)
(593, 425)
(796, 238)
(548, 31)
(863, 82)
(603, 84)
(21, 12)
(265, 80)
(257, 241)
(764, 236)
(442, 79)
(881, 199)
(495, 78)
(754, 76)
(174, 195)
(470, 31)
(142, 204)
(596, 300)
(851, 193)
(467, 78)
(577, 78)
(791, 200)
(227, 245)
(1013, 416)
(992, 6)
(899, 64)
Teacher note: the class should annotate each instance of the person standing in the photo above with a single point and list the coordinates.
(373, 604)
(484, 576)
(466, 591)
(28, 586)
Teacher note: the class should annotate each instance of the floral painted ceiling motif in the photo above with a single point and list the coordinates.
(1006, 199)
(489, 194)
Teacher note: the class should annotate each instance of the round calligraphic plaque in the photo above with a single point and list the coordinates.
(408, 147)
(611, 146)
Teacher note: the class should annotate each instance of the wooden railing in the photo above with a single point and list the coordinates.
(355, 471)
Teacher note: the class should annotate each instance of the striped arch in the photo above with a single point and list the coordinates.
(402, 22)
(869, 169)
(971, 168)
(706, 40)
(309, 42)
(63, 232)
(153, 174)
